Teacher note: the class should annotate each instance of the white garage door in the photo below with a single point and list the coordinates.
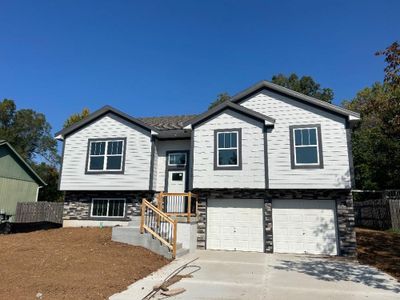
(304, 226)
(235, 224)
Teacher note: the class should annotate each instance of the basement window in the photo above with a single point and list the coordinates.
(113, 208)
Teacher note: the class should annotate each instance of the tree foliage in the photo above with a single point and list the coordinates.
(30, 135)
(76, 117)
(220, 98)
(376, 138)
(28, 132)
(392, 69)
(50, 175)
(305, 85)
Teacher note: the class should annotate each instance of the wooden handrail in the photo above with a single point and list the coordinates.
(188, 214)
(155, 227)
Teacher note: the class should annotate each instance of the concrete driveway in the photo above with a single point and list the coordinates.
(245, 275)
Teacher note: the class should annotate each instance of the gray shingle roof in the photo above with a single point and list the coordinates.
(167, 122)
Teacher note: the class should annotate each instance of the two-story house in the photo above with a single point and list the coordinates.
(272, 168)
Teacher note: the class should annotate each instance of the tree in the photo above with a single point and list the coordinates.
(376, 138)
(50, 175)
(392, 58)
(305, 85)
(76, 117)
(220, 98)
(28, 132)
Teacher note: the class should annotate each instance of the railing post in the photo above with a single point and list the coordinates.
(142, 216)
(189, 206)
(174, 239)
(197, 205)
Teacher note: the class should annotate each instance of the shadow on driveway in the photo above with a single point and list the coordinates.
(335, 271)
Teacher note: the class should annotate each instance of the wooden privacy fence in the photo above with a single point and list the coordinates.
(33, 212)
(377, 209)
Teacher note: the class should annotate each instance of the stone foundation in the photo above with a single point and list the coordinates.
(344, 212)
(77, 204)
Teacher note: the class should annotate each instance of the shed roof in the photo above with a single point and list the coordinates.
(33, 174)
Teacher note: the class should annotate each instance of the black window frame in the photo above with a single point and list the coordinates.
(294, 165)
(239, 149)
(105, 171)
(107, 210)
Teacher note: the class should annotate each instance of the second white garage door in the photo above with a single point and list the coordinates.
(235, 224)
(304, 226)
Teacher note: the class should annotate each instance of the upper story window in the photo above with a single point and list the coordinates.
(306, 146)
(227, 149)
(106, 155)
(177, 159)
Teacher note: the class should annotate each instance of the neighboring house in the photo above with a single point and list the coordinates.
(272, 168)
(18, 181)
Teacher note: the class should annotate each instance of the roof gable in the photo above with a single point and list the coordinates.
(231, 106)
(15, 164)
(99, 114)
(254, 89)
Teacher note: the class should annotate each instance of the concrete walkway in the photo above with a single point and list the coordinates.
(245, 275)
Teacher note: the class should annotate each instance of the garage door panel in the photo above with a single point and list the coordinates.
(235, 224)
(304, 226)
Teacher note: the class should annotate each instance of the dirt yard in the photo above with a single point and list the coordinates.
(379, 249)
(70, 263)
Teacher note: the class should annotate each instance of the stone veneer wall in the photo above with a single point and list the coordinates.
(344, 212)
(77, 204)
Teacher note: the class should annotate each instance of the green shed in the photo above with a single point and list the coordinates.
(18, 181)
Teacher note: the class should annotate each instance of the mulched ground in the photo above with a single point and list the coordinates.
(70, 263)
(380, 249)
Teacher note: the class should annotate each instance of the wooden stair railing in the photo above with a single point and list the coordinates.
(183, 204)
(159, 225)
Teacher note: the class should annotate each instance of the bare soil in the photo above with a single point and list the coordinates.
(70, 263)
(380, 249)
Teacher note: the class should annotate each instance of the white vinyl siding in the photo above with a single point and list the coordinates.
(252, 173)
(335, 172)
(161, 155)
(137, 162)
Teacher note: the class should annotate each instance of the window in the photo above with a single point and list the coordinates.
(177, 176)
(177, 159)
(106, 155)
(306, 146)
(108, 208)
(228, 149)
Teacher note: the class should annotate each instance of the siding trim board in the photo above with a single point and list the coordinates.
(122, 171)
(265, 134)
(239, 166)
(320, 152)
(152, 154)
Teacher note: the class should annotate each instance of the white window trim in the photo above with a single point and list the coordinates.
(230, 148)
(105, 155)
(108, 206)
(302, 146)
(175, 165)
